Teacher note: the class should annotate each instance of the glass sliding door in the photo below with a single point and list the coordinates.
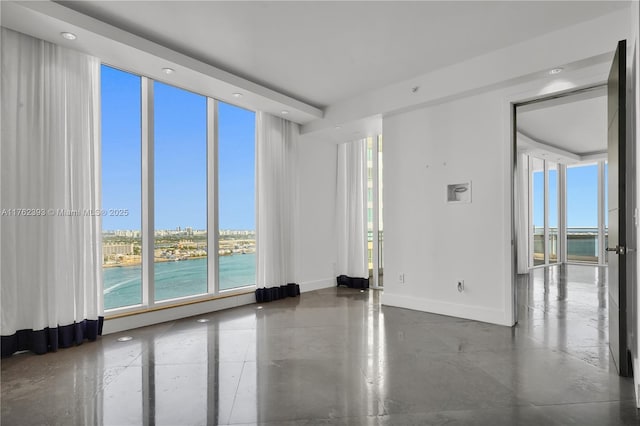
(180, 176)
(582, 213)
(538, 210)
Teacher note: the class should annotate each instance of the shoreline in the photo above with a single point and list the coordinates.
(163, 260)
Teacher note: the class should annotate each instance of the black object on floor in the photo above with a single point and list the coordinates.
(269, 294)
(351, 282)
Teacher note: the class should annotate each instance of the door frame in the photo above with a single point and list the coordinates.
(531, 92)
(538, 91)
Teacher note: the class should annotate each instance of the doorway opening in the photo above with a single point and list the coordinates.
(565, 116)
(561, 222)
(561, 180)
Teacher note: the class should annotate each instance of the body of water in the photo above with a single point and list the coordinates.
(123, 285)
(581, 242)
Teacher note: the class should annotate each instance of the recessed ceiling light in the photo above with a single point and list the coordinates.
(168, 70)
(237, 95)
(202, 320)
(284, 112)
(338, 127)
(68, 36)
(556, 70)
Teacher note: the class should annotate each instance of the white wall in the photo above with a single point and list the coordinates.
(436, 244)
(315, 228)
(467, 137)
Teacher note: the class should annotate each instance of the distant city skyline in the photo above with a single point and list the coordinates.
(187, 229)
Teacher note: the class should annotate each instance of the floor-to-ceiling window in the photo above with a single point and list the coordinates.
(538, 210)
(553, 212)
(582, 213)
(567, 223)
(374, 210)
(236, 199)
(545, 211)
(178, 196)
(121, 188)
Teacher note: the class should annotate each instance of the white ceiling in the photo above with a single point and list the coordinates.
(576, 124)
(321, 52)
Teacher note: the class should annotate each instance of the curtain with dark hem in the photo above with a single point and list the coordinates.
(275, 199)
(51, 339)
(50, 233)
(351, 211)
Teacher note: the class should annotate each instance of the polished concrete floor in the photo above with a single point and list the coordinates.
(336, 356)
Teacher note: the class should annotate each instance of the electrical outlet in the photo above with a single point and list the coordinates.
(401, 278)
(461, 286)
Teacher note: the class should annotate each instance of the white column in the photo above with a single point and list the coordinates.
(212, 196)
(148, 231)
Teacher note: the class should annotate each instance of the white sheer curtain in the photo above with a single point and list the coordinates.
(522, 213)
(352, 209)
(275, 199)
(50, 273)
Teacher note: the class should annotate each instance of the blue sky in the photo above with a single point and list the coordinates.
(180, 157)
(582, 197)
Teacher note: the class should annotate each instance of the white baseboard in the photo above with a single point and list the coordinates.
(317, 284)
(476, 313)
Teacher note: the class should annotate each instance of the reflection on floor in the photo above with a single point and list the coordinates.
(336, 356)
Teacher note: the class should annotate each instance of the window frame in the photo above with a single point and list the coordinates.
(147, 205)
(602, 230)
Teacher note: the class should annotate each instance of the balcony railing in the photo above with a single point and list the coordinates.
(582, 245)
